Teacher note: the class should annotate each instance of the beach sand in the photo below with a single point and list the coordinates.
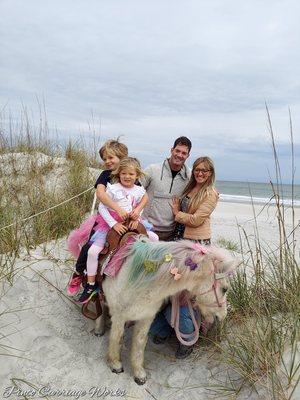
(54, 345)
(230, 219)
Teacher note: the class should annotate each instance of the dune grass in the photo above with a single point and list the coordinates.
(20, 203)
(36, 174)
(260, 338)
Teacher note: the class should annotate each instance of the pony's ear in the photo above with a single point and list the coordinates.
(228, 265)
(196, 258)
(204, 261)
(224, 260)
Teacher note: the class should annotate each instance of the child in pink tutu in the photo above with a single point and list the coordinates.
(128, 196)
(111, 153)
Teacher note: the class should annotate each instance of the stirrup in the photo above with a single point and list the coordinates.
(91, 314)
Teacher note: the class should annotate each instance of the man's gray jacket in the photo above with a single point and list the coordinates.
(161, 188)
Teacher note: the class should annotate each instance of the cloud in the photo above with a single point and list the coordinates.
(156, 70)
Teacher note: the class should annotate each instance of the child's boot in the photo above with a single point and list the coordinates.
(74, 284)
(89, 291)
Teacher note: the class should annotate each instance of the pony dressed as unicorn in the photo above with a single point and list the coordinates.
(150, 272)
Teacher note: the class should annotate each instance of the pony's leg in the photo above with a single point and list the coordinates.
(115, 338)
(139, 340)
(100, 322)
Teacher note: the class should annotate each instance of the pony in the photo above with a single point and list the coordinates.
(151, 272)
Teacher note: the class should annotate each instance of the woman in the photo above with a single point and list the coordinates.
(192, 214)
(199, 199)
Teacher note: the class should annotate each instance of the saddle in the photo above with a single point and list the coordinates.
(114, 241)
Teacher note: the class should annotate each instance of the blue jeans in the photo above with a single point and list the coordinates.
(161, 326)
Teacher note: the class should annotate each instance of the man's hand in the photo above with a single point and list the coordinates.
(135, 214)
(175, 205)
(133, 224)
(120, 228)
(122, 213)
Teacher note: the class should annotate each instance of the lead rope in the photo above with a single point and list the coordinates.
(175, 322)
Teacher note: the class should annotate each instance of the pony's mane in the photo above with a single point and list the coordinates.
(149, 261)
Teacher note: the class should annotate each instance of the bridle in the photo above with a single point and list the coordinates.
(217, 277)
(216, 283)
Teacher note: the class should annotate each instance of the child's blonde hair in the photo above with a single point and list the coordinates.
(115, 148)
(125, 163)
(197, 199)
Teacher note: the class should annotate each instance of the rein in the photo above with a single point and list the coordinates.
(176, 311)
(175, 322)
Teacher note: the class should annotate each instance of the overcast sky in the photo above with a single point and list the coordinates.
(155, 70)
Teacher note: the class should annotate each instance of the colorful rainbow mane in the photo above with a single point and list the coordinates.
(149, 261)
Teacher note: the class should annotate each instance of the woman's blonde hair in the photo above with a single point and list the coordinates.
(198, 198)
(125, 163)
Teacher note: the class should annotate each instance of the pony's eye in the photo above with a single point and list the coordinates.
(224, 290)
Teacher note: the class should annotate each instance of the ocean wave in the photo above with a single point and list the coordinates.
(256, 200)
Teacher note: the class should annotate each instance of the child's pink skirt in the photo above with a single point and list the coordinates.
(78, 237)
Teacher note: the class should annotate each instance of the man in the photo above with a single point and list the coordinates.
(162, 182)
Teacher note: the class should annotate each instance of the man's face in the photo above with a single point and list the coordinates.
(178, 155)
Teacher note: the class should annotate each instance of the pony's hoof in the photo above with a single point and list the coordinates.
(117, 370)
(140, 381)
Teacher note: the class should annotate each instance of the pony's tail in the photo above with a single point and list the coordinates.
(78, 237)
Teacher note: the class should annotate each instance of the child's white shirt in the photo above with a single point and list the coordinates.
(126, 198)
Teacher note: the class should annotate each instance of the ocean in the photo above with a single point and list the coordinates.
(261, 193)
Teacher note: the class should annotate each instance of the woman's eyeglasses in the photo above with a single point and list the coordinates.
(201, 171)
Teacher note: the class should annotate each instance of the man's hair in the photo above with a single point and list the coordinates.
(114, 147)
(184, 141)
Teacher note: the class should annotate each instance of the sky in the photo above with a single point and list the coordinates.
(151, 71)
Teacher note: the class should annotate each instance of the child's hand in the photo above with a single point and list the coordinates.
(122, 214)
(120, 228)
(133, 224)
(135, 214)
(175, 205)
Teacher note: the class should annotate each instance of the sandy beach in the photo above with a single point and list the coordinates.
(52, 345)
(229, 218)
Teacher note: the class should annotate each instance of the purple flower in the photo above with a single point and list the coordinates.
(190, 263)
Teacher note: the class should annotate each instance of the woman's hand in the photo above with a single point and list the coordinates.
(133, 224)
(175, 205)
(120, 228)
